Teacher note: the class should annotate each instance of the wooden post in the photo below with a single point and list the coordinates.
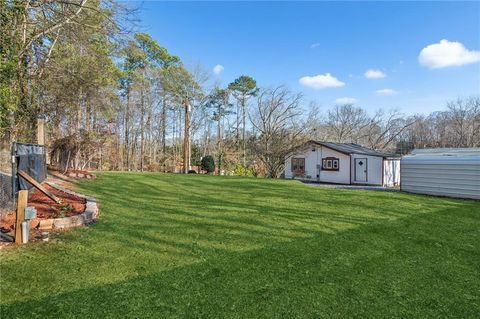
(186, 139)
(21, 205)
(41, 131)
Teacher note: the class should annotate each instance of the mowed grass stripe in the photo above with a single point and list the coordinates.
(180, 246)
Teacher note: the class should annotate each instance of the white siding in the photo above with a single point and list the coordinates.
(391, 172)
(374, 169)
(314, 153)
(445, 174)
(310, 163)
(313, 158)
(287, 171)
(342, 176)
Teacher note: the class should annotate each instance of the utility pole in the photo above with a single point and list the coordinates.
(186, 139)
(41, 136)
(41, 131)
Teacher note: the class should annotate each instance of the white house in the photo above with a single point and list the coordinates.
(340, 163)
(444, 172)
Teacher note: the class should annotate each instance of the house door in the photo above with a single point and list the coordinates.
(361, 170)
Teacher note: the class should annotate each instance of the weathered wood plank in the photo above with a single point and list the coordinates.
(38, 186)
(21, 205)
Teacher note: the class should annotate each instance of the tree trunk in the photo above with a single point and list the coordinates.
(126, 157)
(164, 124)
(142, 127)
(219, 139)
(244, 115)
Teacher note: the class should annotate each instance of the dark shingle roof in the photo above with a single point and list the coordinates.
(352, 148)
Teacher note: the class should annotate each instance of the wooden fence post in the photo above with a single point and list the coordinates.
(21, 205)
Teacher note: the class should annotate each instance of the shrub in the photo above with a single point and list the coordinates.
(62, 211)
(241, 170)
(208, 164)
(153, 167)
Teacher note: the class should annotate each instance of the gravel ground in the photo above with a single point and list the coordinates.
(363, 187)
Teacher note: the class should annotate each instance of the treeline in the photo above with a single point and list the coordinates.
(116, 100)
(457, 126)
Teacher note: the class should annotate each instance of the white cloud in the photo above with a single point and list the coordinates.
(217, 69)
(374, 74)
(321, 81)
(314, 45)
(386, 92)
(346, 100)
(445, 54)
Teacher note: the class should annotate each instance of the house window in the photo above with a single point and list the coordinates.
(335, 164)
(298, 166)
(330, 164)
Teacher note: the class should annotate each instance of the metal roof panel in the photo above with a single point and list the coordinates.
(352, 148)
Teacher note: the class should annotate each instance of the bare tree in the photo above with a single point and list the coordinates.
(458, 126)
(276, 117)
(315, 127)
(384, 128)
(465, 121)
(345, 122)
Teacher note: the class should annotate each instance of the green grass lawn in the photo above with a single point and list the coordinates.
(177, 246)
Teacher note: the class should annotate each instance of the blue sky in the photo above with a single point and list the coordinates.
(331, 45)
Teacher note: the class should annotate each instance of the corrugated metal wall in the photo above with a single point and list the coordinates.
(445, 174)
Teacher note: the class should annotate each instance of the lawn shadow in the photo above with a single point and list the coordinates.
(353, 272)
(180, 246)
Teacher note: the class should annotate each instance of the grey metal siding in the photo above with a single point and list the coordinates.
(455, 178)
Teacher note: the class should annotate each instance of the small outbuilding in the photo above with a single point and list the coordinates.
(341, 163)
(443, 172)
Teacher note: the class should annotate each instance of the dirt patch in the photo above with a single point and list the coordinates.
(6, 224)
(46, 208)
